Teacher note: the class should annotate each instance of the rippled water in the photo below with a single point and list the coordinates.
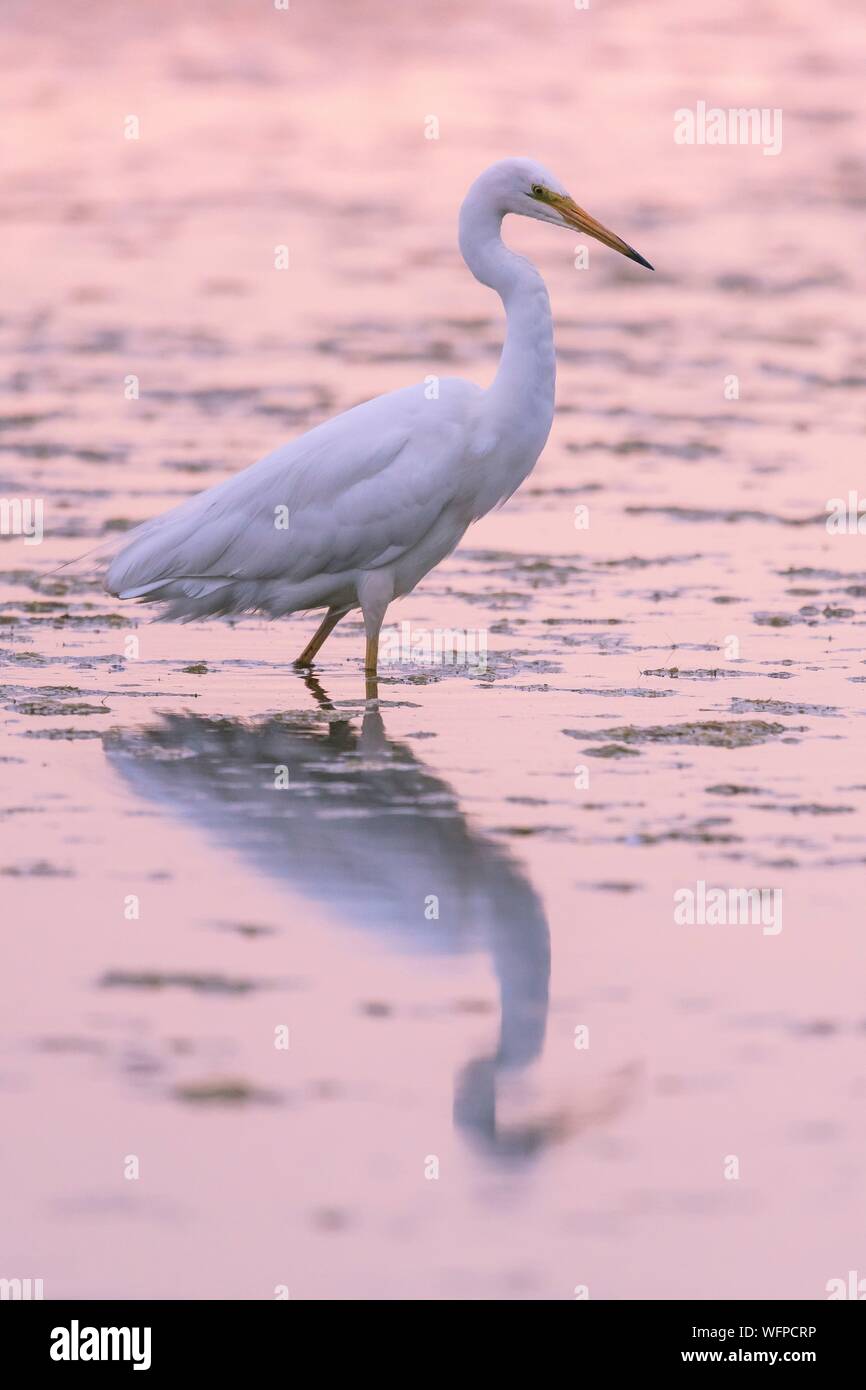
(619, 747)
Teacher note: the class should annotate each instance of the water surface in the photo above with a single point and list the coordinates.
(618, 747)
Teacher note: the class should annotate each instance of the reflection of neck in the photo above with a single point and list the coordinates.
(520, 947)
(519, 943)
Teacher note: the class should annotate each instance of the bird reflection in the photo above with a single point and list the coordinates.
(372, 835)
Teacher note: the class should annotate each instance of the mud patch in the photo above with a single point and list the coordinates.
(710, 733)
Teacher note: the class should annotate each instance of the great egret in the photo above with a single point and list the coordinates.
(355, 512)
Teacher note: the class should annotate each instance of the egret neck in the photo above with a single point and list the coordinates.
(521, 396)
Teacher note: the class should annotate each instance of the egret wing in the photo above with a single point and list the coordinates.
(354, 493)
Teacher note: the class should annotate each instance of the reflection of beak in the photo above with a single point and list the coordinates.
(574, 216)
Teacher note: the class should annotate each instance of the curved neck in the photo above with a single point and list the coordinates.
(526, 378)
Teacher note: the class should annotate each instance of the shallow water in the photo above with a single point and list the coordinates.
(618, 747)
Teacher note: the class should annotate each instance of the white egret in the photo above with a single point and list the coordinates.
(355, 512)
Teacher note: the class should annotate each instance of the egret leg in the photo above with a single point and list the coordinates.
(375, 592)
(326, 627)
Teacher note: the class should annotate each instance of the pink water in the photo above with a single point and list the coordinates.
(453, 1039)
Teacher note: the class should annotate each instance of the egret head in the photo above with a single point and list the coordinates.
(525, 187)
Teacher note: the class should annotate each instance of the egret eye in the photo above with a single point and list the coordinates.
(537, 190)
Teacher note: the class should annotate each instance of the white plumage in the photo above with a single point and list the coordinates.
(355, 512)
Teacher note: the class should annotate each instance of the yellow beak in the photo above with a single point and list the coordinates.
(577, 218)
